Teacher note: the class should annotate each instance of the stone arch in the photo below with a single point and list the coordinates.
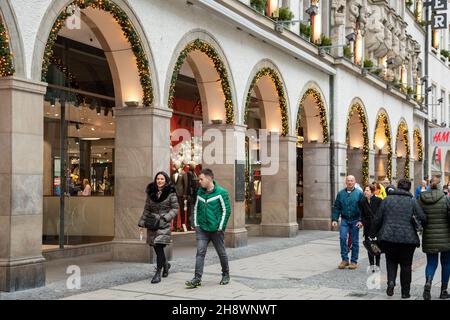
(200, 41)
(312, 91)
(141, 84)
(13, 60)
(357, 107)
(267, 68)
(403, 135)
(383, 119)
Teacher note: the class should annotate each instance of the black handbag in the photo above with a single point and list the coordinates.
(372, 246)
(152, 222)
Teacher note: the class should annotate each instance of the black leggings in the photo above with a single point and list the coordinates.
(399, 254)
(160, 255)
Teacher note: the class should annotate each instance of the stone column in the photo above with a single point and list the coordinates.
(418, 173)
(355, 159)
(394, 170)
(411, 172)
(224, 173)
(279, 210)
(381, 167)
(340, 166)
(21, 185)
(316, 186)
(371, 166)
(142, 148)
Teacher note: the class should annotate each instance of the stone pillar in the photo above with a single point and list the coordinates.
(355, 159)
(411, 172)
(316, 186)
(381, 167)
(279, 196)
(21, 185)
(142, 148)
(418, 173)
(340, 166)
(401, 164)
(371, 166)
(224, 173)
(394, 170)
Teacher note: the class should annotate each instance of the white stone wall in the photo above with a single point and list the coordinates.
(167, 22)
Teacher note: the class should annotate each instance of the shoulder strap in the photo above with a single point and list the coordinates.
(413, 201)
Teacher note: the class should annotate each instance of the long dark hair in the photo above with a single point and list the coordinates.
(152, 188)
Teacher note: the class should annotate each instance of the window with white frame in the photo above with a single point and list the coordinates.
(442, 106)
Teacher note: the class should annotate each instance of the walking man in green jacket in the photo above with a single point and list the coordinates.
(346, 207)
(211, 213)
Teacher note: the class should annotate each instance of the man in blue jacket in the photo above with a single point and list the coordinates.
(346, 207)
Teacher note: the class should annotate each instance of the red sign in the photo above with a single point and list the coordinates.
(440, 137)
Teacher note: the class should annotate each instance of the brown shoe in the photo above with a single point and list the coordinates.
(343, 265)
(353, 266)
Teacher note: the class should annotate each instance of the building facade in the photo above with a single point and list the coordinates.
(94, 94)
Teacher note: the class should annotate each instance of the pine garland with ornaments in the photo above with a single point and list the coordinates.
(266, 71)
(6, 57)
(219, 66)
(128, 30)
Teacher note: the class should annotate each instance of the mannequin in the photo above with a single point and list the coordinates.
(179, 179)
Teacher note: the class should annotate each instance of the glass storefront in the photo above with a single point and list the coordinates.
(186, 156)
(253, 204)
(79, 132)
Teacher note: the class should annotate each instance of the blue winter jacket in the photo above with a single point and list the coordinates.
(346, 205)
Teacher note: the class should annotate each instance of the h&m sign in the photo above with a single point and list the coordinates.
(440, 137)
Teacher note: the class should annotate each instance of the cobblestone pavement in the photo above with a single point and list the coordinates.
(304, 267)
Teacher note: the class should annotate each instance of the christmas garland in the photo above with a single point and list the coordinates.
(322, 111)
(382, 117)
(128, 30)
(61, 66)
(418, 139)
(218, 65)
(365, 131)
(281, 97)
(6, 60)
(403, 130)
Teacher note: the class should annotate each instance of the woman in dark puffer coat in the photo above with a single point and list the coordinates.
(162, 206)
(436, 237)
(398, 238)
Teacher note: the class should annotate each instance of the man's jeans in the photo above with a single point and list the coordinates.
(203, 239)
(345, 226)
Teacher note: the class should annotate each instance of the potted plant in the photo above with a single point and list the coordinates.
(324, 41)
(377, 72)
(423, 23)
(283, 14)
(444, 54)
(305, 30)
(348, 52)
(409, 90)
(259, 5)
(409, 3)
(368, 64)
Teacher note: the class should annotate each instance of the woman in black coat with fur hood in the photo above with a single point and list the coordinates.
(369, 206)
(161, 207)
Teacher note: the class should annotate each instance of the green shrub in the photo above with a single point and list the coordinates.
(445, 53)
(259, 5)
(305, 29)
(348, 52)
(324, 41)
(284, 14)
(368, 63)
